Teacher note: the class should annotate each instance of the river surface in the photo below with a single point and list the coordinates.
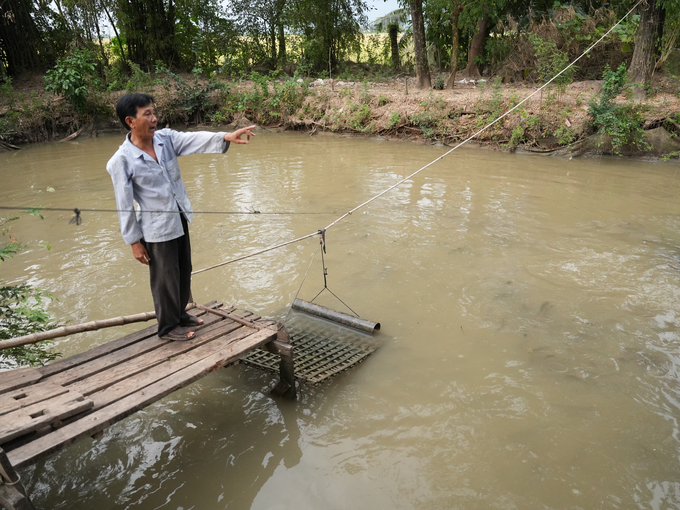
(530, 346)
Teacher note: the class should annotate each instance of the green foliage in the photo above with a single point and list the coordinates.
(622, 122)
(346, 92)
(8, 250)
(394, 120)
(329, 31)
(128, 76)
(74, 77)
(517, 136)
(438, 83)
(550, 61)
(7, 93)
(365, 94)
(358, 115)
(564, 134)
(190, 101)
(496, 101)
(22, 312)
(287, 97)
(382, 100)
(434, 110)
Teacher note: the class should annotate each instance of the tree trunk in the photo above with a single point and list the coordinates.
(455, 33)
(394, 44)
(21, 44)
(149, 30)
(272, 38)
(282, 44)
(642, 64)
(477, 48)
(115, 31)
(105, 60)
(422, 67)
(280, 29)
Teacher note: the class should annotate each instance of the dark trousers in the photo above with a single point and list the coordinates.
(170, 276)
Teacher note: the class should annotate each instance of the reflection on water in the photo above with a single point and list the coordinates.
(529, 308)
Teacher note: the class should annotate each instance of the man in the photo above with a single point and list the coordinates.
(145, 169)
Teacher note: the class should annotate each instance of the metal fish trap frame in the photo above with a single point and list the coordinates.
(325, 342)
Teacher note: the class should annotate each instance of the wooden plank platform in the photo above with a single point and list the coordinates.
(46, 409)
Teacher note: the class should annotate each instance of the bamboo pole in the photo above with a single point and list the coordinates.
(77, 328)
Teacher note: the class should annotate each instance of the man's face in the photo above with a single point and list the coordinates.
(144, 124)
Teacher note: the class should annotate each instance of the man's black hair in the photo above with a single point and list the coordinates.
(128, 104)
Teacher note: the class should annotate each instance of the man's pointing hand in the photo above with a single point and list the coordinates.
(235, 136)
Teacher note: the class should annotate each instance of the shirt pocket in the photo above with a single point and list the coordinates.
(173, 170)
(147, 176)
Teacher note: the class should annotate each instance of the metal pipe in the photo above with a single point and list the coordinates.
(332, 315)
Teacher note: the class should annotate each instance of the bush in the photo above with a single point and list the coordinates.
(74, 77)
(622, 122)
(22, 313)
(395, 118)
(438, 83)
(550, 61)
(190, 101)
(128, 76)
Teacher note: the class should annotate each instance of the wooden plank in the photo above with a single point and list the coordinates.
(13, 499)
(108, 347)
(251, 322)
(141, 380)
(31, 418)
(29, 395)
(123, 355)
(129, 382)
(18, 378)
(108, 415)
(149, 360)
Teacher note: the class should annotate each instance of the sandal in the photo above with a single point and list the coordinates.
(192, 320)
(178, 335)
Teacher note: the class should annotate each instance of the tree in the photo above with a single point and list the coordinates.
(477, 44)
(419, 42)
(478, 18)
(148, 27)
(263, 20)
(329, 29)
(456, 10)
(393, 30)
(647, 40)
(22, 46)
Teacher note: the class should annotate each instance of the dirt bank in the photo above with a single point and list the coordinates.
(549, 122)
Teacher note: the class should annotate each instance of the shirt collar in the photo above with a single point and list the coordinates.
(139, 153)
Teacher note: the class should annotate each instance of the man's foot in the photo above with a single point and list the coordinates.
(191, 320)
(178, 335)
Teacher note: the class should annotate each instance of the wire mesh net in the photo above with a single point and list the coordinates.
(321, 349)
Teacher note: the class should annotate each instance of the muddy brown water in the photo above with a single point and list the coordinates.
(529, 311)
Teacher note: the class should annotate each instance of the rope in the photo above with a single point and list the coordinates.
(78, 220)
(488, 125)
(324, 269)
(399, 183)
(259, 252)
(304, 278)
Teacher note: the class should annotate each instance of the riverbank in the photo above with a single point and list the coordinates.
(553, 121)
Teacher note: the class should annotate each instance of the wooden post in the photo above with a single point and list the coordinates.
(282, 347)
(13, 495)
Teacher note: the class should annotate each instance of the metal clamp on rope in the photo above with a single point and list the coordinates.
(76, 219)
(322, 233)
